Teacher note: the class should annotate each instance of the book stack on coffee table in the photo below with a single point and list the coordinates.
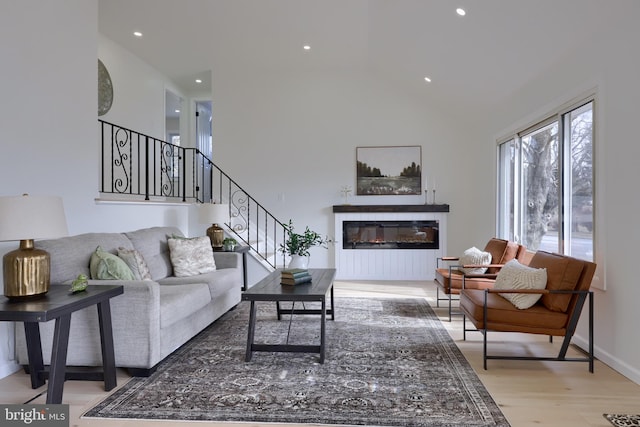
(295, 276)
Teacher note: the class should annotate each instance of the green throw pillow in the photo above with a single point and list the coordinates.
(107, 266)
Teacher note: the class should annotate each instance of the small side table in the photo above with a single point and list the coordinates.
(58, 304)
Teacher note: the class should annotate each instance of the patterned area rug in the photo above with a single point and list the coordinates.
(389, 362)
(623, 420)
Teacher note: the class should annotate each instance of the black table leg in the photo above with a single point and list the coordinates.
(244, 270)
(106, 341)
(323, 321)
(34, 351)
(58, 359)
(333, 311)
(251, 332)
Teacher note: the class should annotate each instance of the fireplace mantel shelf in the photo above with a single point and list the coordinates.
(390, 208)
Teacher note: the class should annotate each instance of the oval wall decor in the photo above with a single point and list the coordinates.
(105, 90)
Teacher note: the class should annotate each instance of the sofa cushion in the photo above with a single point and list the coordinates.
(191, 256)
(107, 266)
(517, 276)
(496, 247)
(563, 273)
(152, 245)
(136, 263)
(504, 316)
(453, 284)
(474, 256)
(71, 255)
(219, 281)
(510, 252)
(178, 302)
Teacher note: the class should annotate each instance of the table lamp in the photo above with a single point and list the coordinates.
(26, 270)
(214, 214)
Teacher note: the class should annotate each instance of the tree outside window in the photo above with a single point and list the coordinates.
(546, 189)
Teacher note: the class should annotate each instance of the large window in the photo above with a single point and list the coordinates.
(545, 184)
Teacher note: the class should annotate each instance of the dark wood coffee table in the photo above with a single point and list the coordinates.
(270, 289)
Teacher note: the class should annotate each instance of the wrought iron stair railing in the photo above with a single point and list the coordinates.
(140, 167)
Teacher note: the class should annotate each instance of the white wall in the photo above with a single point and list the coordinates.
(49, 124)
(138, 90)
(603, 64)
(291, 138)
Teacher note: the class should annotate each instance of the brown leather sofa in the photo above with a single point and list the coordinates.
(450, 280)
(555, 314)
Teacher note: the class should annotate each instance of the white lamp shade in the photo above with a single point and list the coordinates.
(31, 217)
(213, 213)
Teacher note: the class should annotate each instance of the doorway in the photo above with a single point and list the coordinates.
(204, 143)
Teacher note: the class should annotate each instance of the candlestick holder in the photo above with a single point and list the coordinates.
(346, 191)
(433, 202)
(426, 197)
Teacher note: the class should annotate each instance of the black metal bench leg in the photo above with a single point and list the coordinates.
(484, 332)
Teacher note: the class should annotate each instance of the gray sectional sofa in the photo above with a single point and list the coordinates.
(152, 318)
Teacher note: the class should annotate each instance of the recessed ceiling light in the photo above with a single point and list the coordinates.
(198, 81)
(177, 111)
(427, 79)
(306, 47)
(460, 11)
(137, 33)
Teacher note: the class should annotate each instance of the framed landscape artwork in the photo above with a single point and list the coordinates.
(389, 170)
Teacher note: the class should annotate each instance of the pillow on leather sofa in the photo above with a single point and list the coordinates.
(474, 256)
(514, 275)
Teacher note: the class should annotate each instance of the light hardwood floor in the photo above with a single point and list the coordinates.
(530, 393)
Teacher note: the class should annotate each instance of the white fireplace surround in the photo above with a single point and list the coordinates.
(388, 264)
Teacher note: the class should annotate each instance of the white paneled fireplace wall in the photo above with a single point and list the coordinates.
(388, 264)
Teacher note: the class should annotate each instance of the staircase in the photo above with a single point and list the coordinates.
(139, 167)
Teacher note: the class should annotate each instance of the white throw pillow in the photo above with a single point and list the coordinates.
(514, 275)
(191, 256)
(474, 256)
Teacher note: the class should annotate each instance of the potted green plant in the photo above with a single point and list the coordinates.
(297, 245)
(229, 244)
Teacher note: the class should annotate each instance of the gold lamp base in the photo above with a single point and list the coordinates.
(216, 235)
(26, 271)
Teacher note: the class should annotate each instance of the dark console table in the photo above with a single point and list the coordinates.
(58, 304)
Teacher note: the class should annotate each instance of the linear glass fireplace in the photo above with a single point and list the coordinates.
(422, 234)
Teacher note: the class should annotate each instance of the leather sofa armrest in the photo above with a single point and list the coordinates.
(482, 275)
(483, 265)
(519, 291)
(537, 291)
(446, 259)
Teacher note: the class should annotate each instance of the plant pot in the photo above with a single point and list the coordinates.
(299, 261)
(229, 247)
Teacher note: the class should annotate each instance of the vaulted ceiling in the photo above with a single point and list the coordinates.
(473, 61)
